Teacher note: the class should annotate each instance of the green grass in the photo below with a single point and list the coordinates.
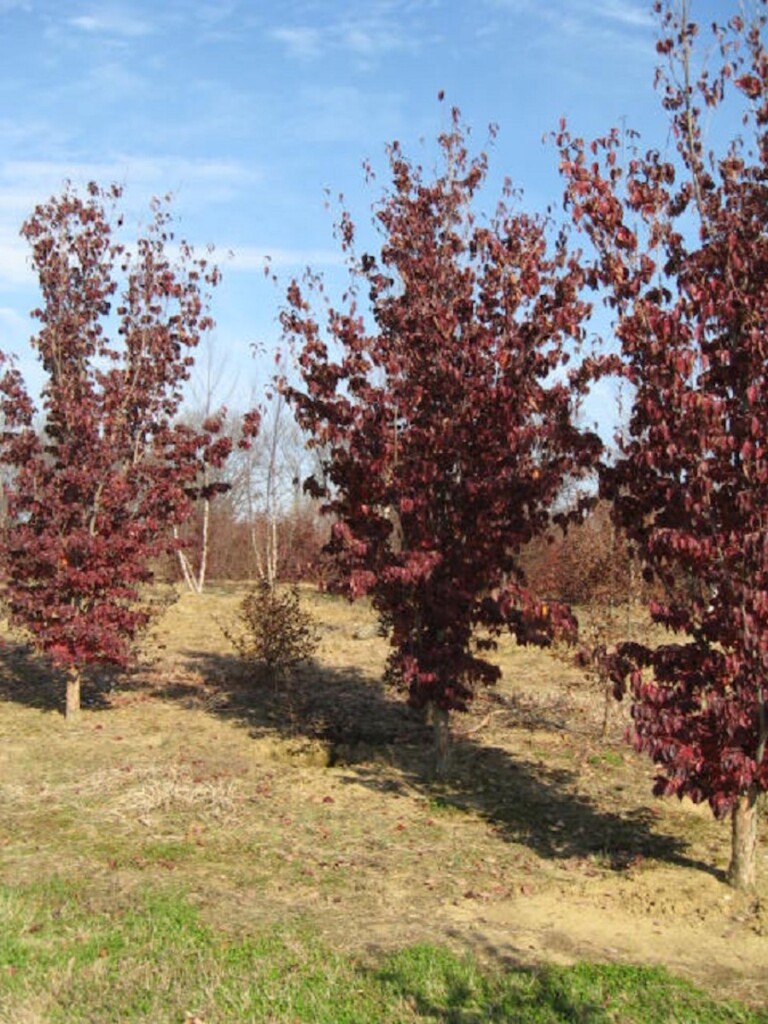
(65, 959)
(607, 757)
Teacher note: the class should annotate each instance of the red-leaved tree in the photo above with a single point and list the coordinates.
(442, 416)
(682, 250)
(97, 483)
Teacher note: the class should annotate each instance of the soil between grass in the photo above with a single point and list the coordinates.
(313, 800)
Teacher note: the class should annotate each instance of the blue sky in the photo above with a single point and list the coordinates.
(248, 110)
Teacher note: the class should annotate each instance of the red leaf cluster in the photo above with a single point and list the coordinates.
(681, 251)
(442, 415)
(94, 489)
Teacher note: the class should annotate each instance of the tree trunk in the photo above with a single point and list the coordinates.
(186, 568)
(204, 552)
(741, 870)
(72, 708)
(440, 725)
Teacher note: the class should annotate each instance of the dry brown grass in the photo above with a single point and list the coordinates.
(312, 800)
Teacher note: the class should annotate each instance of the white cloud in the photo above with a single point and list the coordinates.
(25, 180)
(383, 28)
(515, 6)
(575, 17)
(215, 12)
(15, 267)
(370, 39)
(339, 113)
(113, 23)
(250, 258)
(13, 325)
(303, 42)
(192, 183)
(116, 81)
(627, 13)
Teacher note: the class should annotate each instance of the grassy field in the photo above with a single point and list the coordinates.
(67, 961)
(209, 846)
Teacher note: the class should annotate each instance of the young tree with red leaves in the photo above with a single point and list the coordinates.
(682, 250)
(443, 418)
(94, 496)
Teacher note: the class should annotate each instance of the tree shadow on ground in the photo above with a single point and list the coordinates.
(30, 679)
(444, 990)
(363, 724)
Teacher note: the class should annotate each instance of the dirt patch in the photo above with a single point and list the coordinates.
(313, 800)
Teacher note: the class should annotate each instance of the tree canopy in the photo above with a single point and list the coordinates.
(440, 405)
